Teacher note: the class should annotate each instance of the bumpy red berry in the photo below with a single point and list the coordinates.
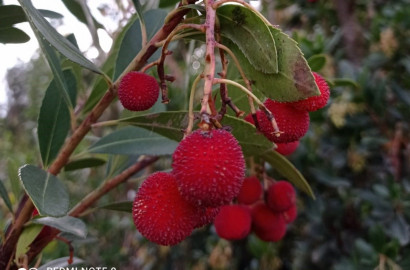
(209, 167)
(281, 196)
(138, 91)
(206, 216)
(287, 149)
(160, 213)
(233, 222)
(251, 190)
(290, 215)
(316, 102)
(267, 225)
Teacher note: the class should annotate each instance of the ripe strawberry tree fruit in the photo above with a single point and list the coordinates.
(206, 150)
(138, 91)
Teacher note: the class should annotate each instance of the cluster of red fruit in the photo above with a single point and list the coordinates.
(267, 217)
(292, 118)
(208, 169)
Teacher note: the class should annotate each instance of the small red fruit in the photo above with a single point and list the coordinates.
(209, 167)
(251, 191)
(287, 149)
(233, 222)
(138, 91)
(290, 215)
(206, 216)
(160, 213)
(281, 196)
(316, 102)
(267, 225)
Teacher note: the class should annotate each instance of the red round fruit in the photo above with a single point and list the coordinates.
(290, 215)
(281, 196)
(206, 216)
(287, 149)
(292, 123)
(138, 91)
(316, 102)
(251, 190)
(160, 213)
(233, 222)
(209, 167)
(267, 225)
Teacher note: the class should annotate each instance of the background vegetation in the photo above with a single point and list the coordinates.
(356, 155)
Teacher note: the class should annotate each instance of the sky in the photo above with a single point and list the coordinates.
(11, 54)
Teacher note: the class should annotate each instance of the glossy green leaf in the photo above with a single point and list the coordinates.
(42, 26)
(75, 8)
(317, 62)
(167, 3)
(65, 224)
(119, 206)
(46, 191)
(293, 82)
(5, 196)
(12, 173)
(132, 43)
(84, 163)
(138, 8)
(13, 35)
(251, 34)
(339, 82)
(26, 238)
(61, 263)
(100, 85)
(287, 170)
(134, 141)
(171, 124)
(54, 118)
(12, 14)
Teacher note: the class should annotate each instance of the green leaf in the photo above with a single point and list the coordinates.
(294, 81)
(171, 124)
(26, 238)
(317, 62)
(54, 118)
(132, 43)
(138, 8)
(84, 163)
(43, 29)
(12, 14)
(61, 263)
(45, 190)
(5, 196)
(12, 173)
(251, 34)
(339, 82)
(134, 141)
(66, 224)
(167, 3)
(13, 35)
(125, 206)
(287, 170)
(75, 8)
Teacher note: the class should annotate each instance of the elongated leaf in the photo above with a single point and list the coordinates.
(171, 124)
(138, 8)
(45, 190)
(26, 238)
(119, 206)
(167, 3)
(65, 224)
(250, 33)
(54, 119)
(13, 35)
(286, 169)
(134, 141)
(131, 43)
(75, 8)
(84, 163)
(12, 173)
(100, 86)
(12, 14)
(61, 263)
(5, 196)
(317, 62)
(294, 80)
(38, 23)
